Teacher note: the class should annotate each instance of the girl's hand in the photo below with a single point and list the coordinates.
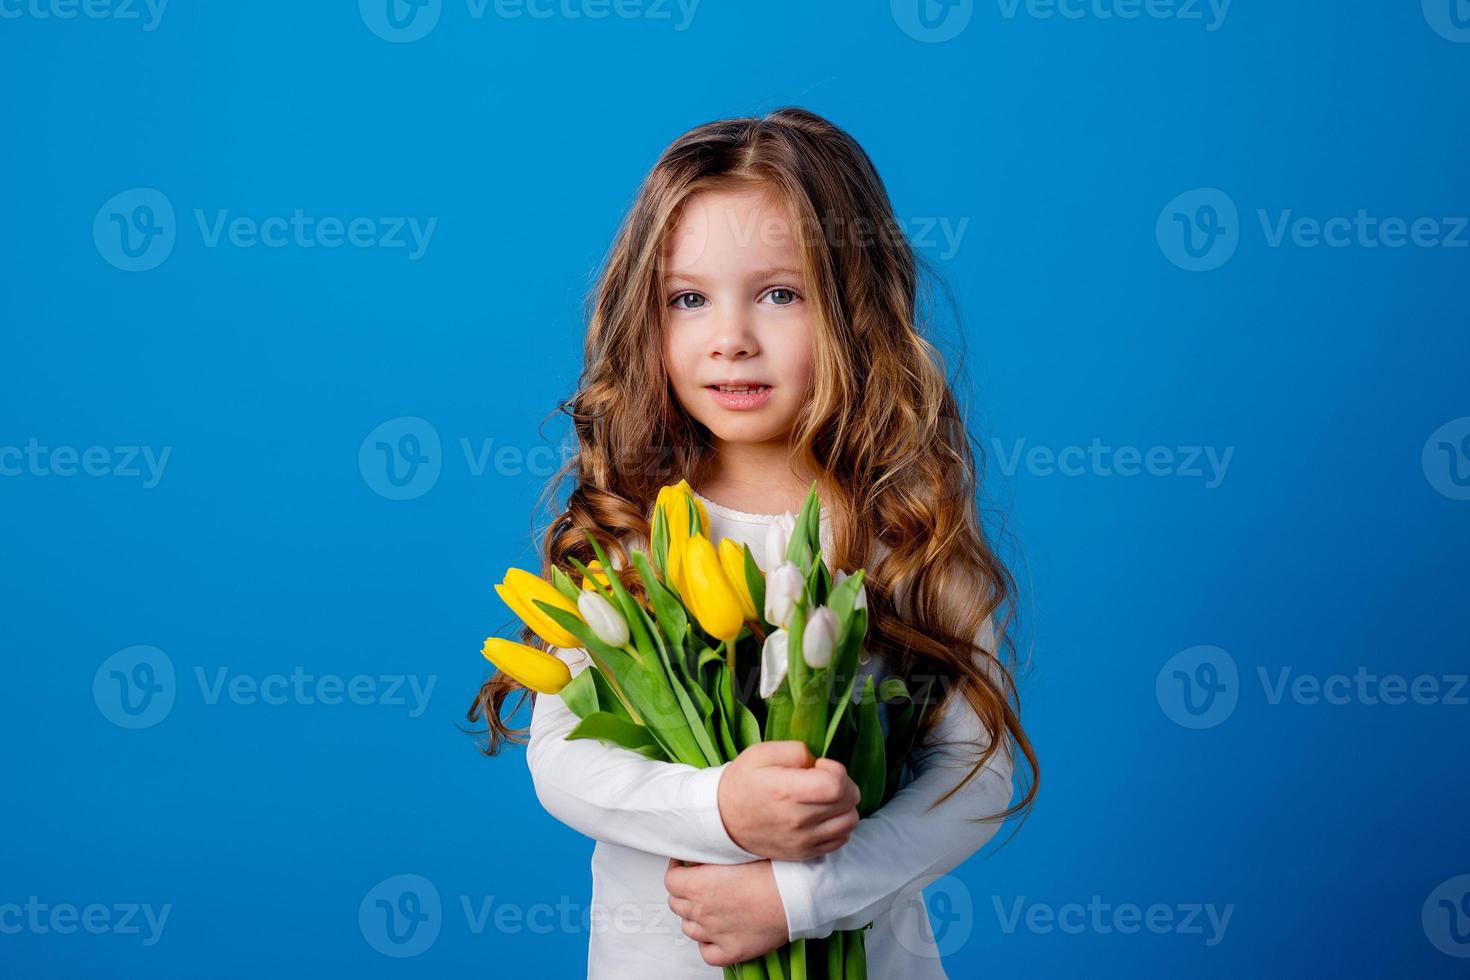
(733, 911)
(779, 802)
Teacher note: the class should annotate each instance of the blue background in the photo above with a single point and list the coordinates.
(267, 546)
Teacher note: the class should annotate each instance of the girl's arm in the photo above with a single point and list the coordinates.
(613, 794)
(904, 842)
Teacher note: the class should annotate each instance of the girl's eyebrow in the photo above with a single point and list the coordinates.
(754, 275)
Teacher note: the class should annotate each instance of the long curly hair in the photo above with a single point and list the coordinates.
(899, 469)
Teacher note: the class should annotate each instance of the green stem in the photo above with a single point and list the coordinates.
(730, 715)
(798, 960)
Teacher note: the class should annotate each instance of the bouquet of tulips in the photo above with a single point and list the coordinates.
(665, 680)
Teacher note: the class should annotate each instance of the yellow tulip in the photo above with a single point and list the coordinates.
(675, 502)
(710, 596)
(519, 588)
(598, 573)
(732, 559)
(540, 671)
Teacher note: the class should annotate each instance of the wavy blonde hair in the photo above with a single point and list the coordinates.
(899, 469)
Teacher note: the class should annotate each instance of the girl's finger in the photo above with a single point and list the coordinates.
(695, 931)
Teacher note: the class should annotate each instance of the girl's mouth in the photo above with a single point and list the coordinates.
(740, 397)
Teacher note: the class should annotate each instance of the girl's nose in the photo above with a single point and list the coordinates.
(733, 338)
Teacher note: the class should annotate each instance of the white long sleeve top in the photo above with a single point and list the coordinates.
(641, 812)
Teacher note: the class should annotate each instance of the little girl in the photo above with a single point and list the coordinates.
(756, 327)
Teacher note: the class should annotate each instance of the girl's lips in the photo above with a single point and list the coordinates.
(742, 402)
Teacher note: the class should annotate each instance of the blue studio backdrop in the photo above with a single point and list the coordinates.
(289, 288)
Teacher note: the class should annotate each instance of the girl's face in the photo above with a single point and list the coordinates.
(736, 311)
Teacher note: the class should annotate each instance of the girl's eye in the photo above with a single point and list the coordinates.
(782, 296)
(679, 304)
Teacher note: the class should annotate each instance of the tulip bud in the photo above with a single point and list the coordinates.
(774, 661)
(778, 539)
(520, 589)
(861, 602)
(783, 589)
(819, 639)
(542, 672)
(607, 624)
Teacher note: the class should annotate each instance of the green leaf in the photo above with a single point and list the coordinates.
(845, 665)
(563, 583)
(581, 694)
(749, 728)
(778, 714)
(755, 581)
(809, 713)
(610, 728)
(648, 688)
(724, 723)
(869, 767)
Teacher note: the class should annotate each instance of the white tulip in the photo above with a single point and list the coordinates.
(605, 621)
(819, 638)
(778, 539)
(861, 602)
(773, 661)
(783, 588)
